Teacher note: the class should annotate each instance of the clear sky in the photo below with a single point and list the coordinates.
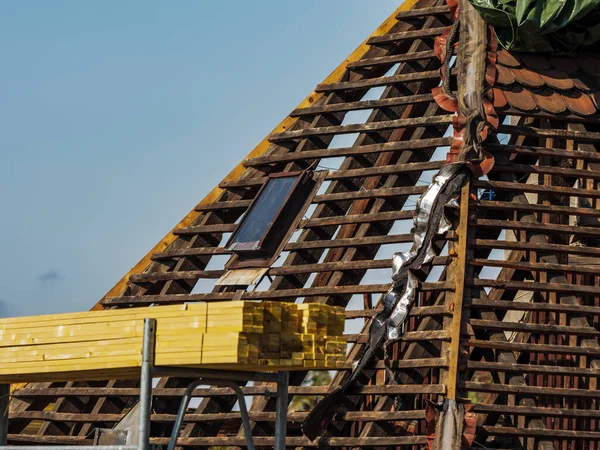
(117, 117)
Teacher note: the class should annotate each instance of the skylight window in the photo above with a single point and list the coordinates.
(269, 218)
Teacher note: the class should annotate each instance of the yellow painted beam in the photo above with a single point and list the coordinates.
(458, 271)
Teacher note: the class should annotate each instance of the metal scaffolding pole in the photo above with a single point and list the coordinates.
(281, 406)
(146, 383)
(185, 401)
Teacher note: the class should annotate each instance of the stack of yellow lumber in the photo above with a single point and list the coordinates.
(236, 335)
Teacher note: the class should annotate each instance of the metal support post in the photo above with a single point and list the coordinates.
(281, 410)
(4, 401)
(185, 401)
(146, 383)
(244, 413)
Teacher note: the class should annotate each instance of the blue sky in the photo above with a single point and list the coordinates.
(117, 117)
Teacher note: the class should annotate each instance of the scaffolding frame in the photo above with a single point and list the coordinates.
(229, 378)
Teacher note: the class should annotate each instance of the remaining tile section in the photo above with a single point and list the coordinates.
(553, 85)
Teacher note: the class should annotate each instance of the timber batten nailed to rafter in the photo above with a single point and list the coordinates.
(523, 259)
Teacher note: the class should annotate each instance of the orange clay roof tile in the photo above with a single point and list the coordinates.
(596, 98)
(579, 103)
(528, 77)
(499, 98)
(520, 98)
(549, 101)
(564, 64)
(589, 64)
(505, 76)
(585, 82)
(508, 59)
(557, 79)
(534, 61)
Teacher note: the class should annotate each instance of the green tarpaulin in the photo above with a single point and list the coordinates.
(557, 26)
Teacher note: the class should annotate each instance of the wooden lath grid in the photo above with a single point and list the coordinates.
(530, 328)
(533, 333)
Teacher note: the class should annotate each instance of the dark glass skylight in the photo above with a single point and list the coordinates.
(263, 213)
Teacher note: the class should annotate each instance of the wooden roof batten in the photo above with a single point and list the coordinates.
(506, 321)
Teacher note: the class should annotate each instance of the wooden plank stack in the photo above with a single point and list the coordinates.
(235, 335)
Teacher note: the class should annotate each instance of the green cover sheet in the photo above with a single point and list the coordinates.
(562, 27)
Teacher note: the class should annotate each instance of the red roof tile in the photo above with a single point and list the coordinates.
(596, 98)
(535, 61)
(520, 98)
(499, 98)
(557, 79)
(579, 103)
(585, 82)
(508, 59)
(589, 64)
(527, 77)
(563, 64)
(505, 76)
(549, 101)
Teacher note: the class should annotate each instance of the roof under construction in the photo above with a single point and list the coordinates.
(469, 173)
